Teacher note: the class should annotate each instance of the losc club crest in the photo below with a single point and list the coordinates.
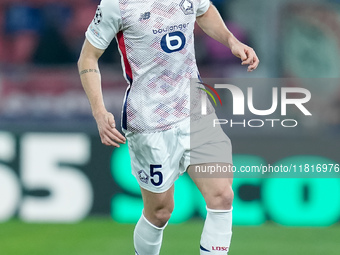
(98, 16)
(143, 176)
(187, 7)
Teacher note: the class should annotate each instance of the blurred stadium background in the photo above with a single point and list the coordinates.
(62, 192)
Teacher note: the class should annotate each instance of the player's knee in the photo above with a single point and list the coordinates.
(159, 215)
(162, 216)
(221, 199)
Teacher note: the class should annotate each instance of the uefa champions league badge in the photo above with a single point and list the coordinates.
(143, 176)
(98, 16)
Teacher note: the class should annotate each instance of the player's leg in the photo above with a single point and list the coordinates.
(154, 162)
(148, 232)
(218, 195)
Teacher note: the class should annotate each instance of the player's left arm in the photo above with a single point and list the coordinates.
(213, 25)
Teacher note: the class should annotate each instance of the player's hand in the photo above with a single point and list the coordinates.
(109, 135)
(246, 54)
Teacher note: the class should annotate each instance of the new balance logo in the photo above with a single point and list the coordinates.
(144, 16)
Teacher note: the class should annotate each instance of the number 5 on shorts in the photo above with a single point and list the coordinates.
(154, 173)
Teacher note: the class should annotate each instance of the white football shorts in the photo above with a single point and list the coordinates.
(158, 159)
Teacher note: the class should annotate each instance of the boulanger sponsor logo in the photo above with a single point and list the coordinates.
(170, 28)
(172, 42)
(242, 102)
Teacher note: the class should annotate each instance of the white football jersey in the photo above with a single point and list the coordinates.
(156, 43)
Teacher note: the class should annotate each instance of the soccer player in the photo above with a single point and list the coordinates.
(156, 43)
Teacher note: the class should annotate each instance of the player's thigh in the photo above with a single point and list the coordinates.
(217, 191)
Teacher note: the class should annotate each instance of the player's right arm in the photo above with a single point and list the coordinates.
(213, 25)
(91, 81)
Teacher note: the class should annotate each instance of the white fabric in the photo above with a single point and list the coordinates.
(156, 43)
(172, 151)
(203, 7)
(101, 34)
(147, 237)
(216, 235)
